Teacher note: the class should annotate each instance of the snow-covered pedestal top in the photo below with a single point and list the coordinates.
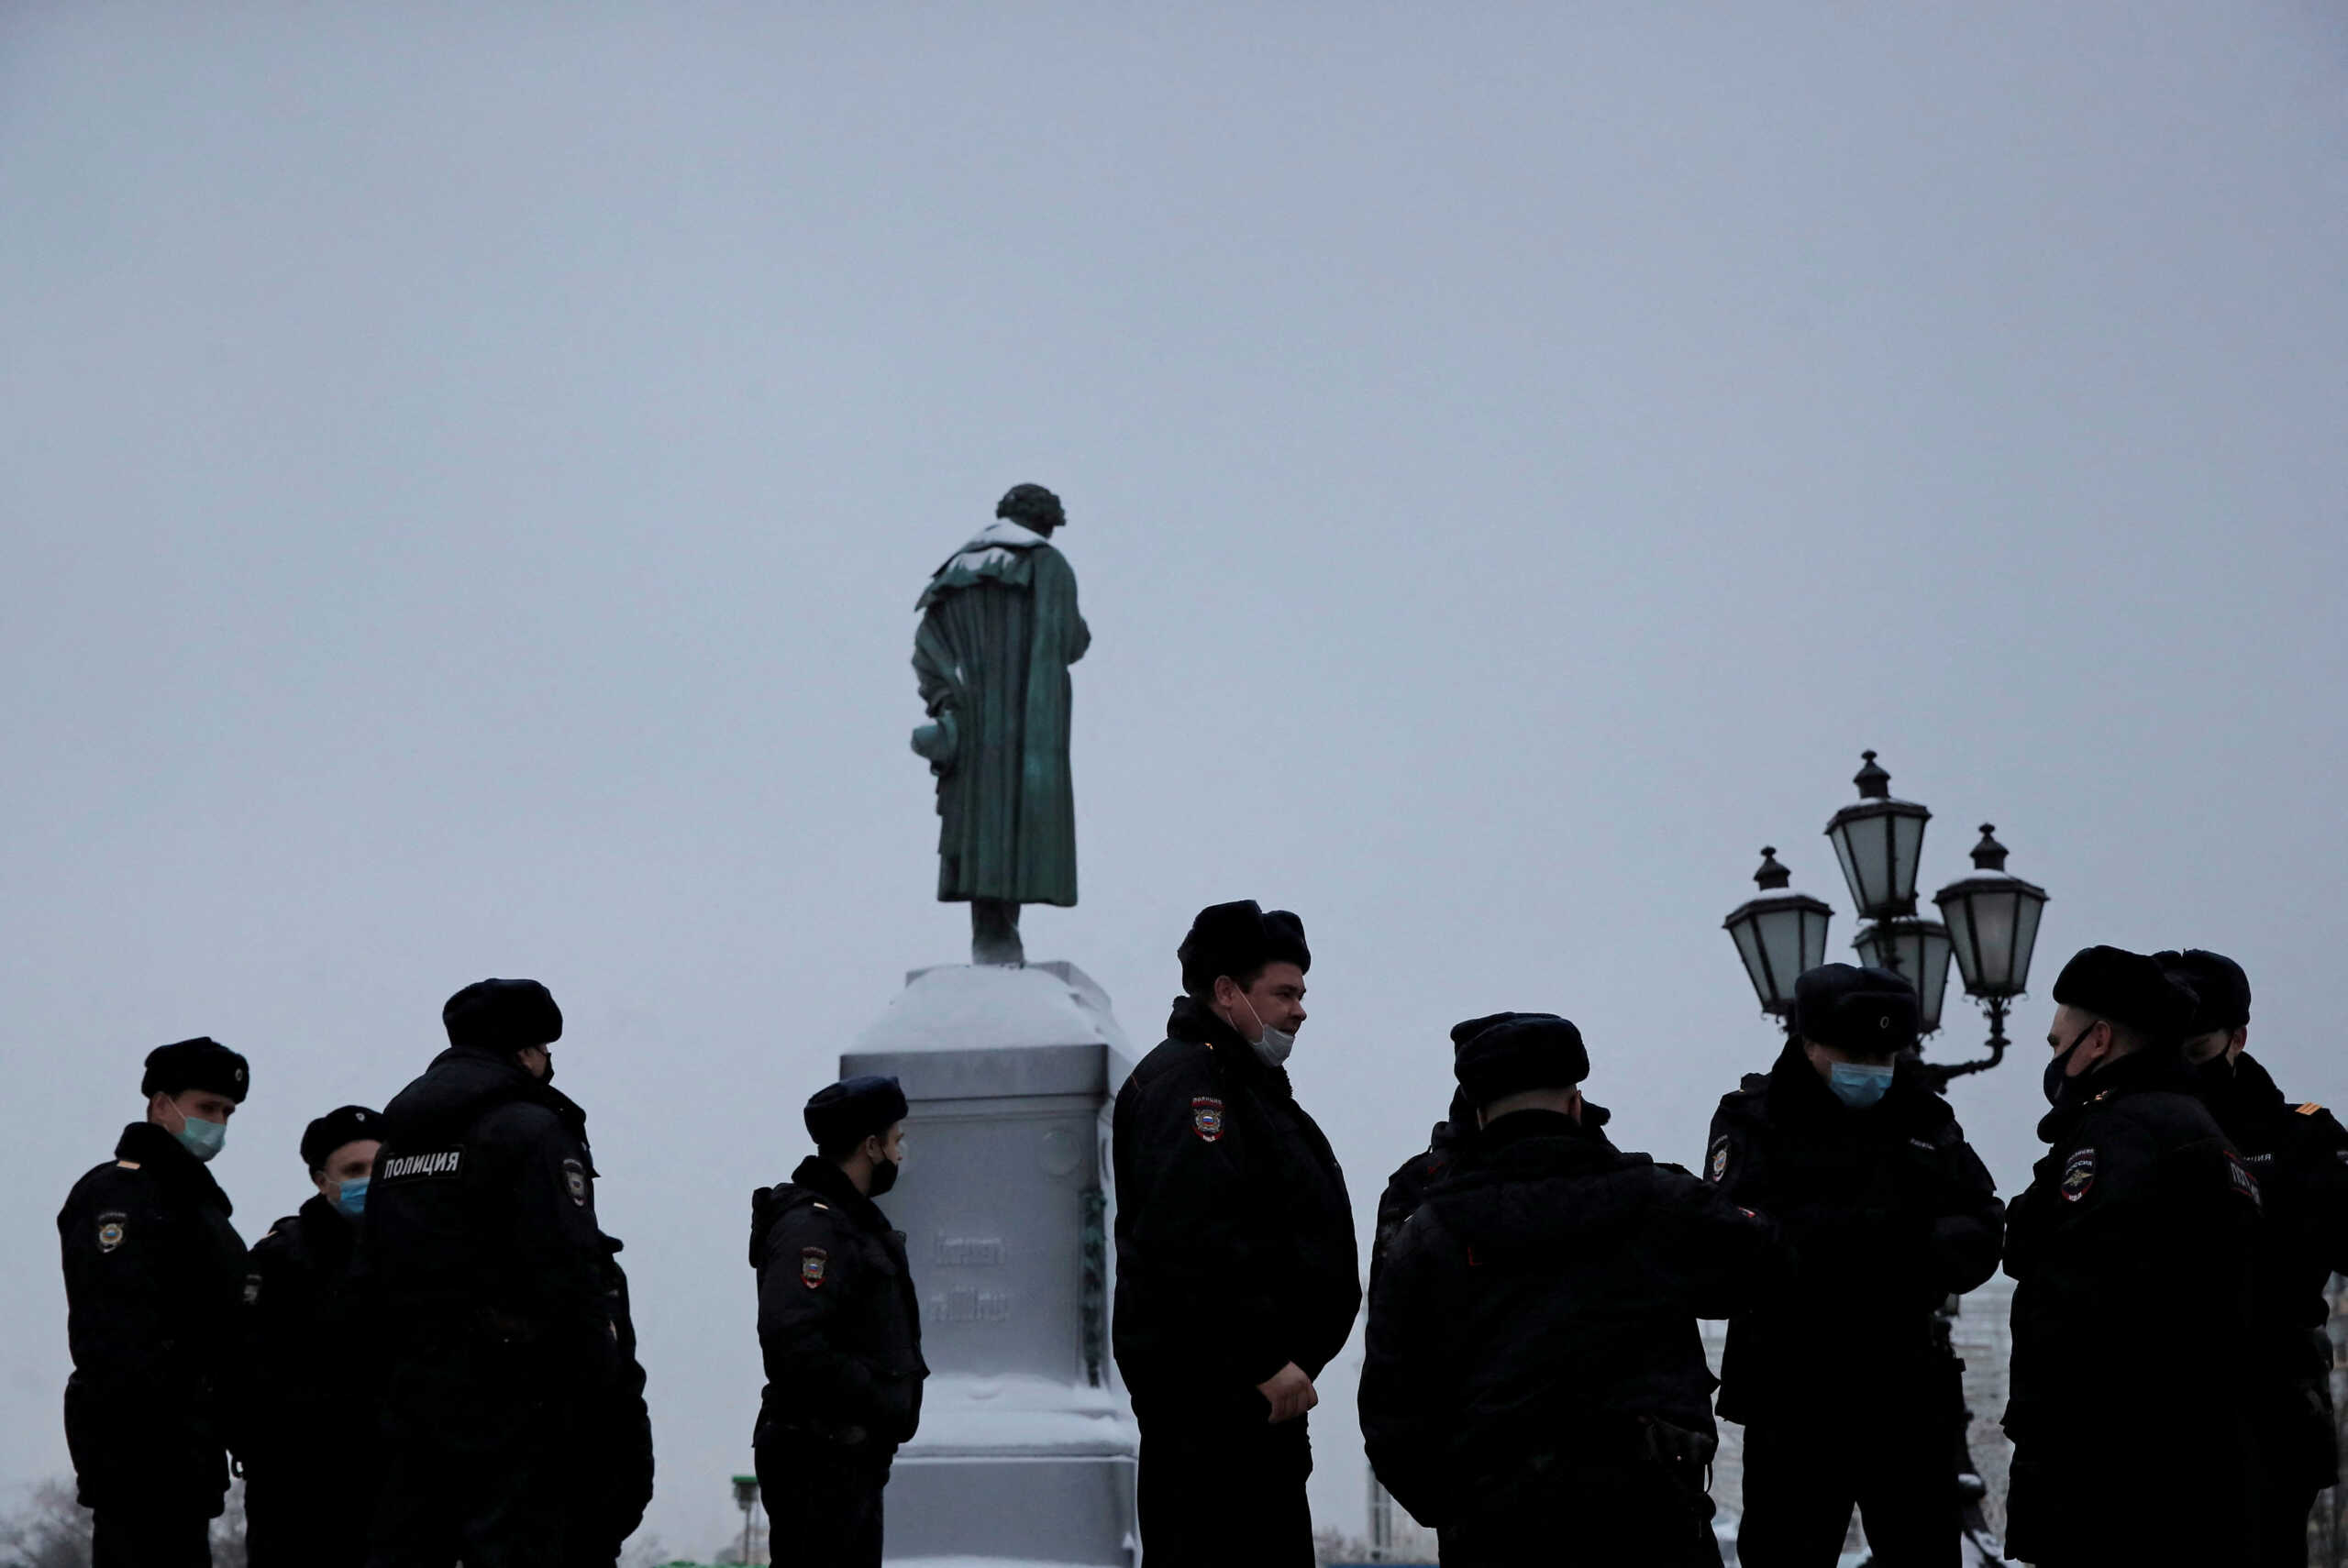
(961, 1007)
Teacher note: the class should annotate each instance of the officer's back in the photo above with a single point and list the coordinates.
(1533, 1377)
(2299, 1153)
(482, 1241)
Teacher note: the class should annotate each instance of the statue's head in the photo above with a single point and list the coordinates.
(1032, 506)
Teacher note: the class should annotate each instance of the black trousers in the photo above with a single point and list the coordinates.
(1801, 1484)
(479, 1441)
(305, 1517)
(2283, 1507)
(823, 1502)
(1610, 1516)
(1224, 1493)
(142, 1537)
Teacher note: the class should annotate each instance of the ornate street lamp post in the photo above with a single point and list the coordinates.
(1993, 924)
(1881, 844)
(1989, 920)
(1779, 934)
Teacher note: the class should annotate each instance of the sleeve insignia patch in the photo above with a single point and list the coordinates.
(2244, 1183)
(1206, 1120)
(252, 1289)
(110, 1232)
(813, 1260)
(2078, 1177)
(575, 1181)
(1718, 1163)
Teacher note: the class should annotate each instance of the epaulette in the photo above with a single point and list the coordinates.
(2309, 1109)
(126, 1165)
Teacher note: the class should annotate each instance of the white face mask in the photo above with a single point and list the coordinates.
(1272, 1045)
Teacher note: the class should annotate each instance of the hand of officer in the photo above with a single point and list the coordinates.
(1290, 1392)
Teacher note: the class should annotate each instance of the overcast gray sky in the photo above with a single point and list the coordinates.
(467, 471)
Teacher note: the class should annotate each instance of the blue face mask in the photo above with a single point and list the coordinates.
(1857, 1085)
(351, 1198)
(203, 1139)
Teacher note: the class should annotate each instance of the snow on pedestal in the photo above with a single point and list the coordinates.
(1026, 1448)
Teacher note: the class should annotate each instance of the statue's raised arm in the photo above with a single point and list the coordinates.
(999, 628)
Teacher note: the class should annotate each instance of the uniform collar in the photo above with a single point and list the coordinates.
(1797, 1093)
(326, 1232)
(828, 1182)
(2157, 1068)
(2246, 1092)
(151, 1149)
(1194, 1021)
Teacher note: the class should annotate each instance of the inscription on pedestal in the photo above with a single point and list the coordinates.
(969, 1304)
(968, 1251)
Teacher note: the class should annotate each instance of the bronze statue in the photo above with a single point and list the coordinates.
(999, 629)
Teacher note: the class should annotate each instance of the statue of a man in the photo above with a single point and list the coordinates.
(999, 629)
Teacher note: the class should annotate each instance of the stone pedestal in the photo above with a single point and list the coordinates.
(1027, 1445)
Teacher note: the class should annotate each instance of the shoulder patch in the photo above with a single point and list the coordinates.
(252, 1287)
(1716, 1164)
(2309, 1109)
(113, 1226)
(2078, 1177)
(2245, 1185)
(575, 1181)
(1206, 1118)
(813, 1262)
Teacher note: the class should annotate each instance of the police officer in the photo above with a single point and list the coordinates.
(839, 1325)
(312, 1357)
(1847, 1395)
(2131, 1253)
(1448, 1146)
(1534, 1386)
(154, 1273)
(2299, 1153)
(1238, 1274)
(492, 1279)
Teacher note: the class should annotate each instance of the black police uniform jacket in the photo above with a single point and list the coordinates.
(1448, 1146)
(313, 1392)
(2130, 1254)
(154, 1274)
(1887, 1212)
(839, 1320)
(1235, 1250)
(1540, 1307)
(481, 1220)
(2299, 1153)
(313, 1350)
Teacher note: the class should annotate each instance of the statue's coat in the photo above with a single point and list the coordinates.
(999, 629)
